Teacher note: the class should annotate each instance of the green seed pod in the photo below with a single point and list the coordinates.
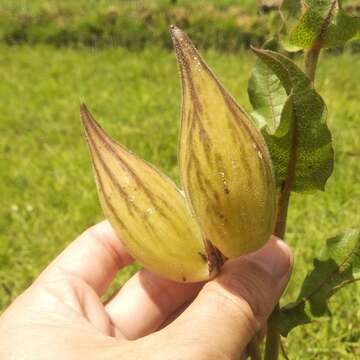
(225, 166)
(147, 211)
(229, 206)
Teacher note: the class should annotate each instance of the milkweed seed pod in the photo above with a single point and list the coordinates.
(225, 166)
(228, 207)
(147, 211)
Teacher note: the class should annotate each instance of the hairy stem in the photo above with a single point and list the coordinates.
(311, 60)
(273, 335)
(312, 55)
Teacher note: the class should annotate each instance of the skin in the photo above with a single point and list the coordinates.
(61, 315)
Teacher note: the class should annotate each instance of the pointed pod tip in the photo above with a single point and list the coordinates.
(84, 113)
(83, 106)
(87, 119)
(186, 53)
(176, 33)
(174, 30)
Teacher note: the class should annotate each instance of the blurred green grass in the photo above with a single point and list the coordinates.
(226, 25)
(47, 191)
(88, 6)
(135, 24)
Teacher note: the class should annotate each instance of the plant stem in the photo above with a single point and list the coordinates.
(272, 338)
(280, 226)
(312, 55)
(311, 60)
(273, 335)
(253, 349)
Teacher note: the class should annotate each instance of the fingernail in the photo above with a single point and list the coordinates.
(275, 257)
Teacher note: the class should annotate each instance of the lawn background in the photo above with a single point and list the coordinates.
(47, 192)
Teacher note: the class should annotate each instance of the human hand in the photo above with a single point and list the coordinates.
(61, 316)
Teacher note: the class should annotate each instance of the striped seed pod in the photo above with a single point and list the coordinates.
(149, 214)
(228, 206)
(225, 166)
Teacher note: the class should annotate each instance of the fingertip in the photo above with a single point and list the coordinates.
(286, 249)
(103, 228)
(94, 257)
(104, 234)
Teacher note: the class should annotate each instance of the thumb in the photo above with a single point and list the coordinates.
(232, 308)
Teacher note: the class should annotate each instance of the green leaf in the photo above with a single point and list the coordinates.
(299, 139)
(344, 29)
(324, 25)
(319, 5)
(291, 9)
(267, 96)
(337, 266)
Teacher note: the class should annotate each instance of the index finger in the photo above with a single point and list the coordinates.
(94, 257)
